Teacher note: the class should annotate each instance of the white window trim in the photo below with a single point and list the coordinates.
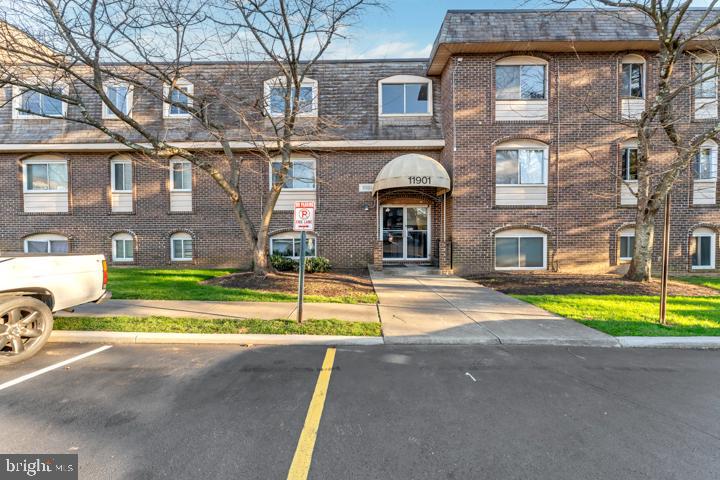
(713, 158)
(42, 161)
(270, 83)
(122, 236)
(180, 236)
(398, 79)
(107, 114)
(525, 145)
(189, 87)
(45, 237)
(519, 61)
(521, 233)
(112, 174)
(299, 159)
(172, 177)
(626, 232)
(293, 236)
(635, 59)
(706, 232)
(17, 103)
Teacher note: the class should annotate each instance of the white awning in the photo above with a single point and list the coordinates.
(412, 170)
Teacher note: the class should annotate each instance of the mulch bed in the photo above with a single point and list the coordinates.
(562, 284)
(330, 284)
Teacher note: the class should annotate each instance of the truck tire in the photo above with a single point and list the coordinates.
(25, 326)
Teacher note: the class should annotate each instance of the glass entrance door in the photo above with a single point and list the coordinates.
(405, 233)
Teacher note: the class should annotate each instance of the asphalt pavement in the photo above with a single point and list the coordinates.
(391, 412)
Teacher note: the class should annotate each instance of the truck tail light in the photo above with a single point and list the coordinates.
(105, 273)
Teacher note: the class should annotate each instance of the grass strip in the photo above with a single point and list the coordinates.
(629, 315)
(201, 325)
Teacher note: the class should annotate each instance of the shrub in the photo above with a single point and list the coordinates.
(283, 264)
(317, 265)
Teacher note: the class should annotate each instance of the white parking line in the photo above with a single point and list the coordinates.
(9, 384)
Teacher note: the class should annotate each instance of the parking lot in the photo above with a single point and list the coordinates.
(391, 412)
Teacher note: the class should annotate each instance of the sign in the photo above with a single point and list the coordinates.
(304, 217)
(365, 187)
(419, 180)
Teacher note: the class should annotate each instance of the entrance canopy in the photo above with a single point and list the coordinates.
(412, 170)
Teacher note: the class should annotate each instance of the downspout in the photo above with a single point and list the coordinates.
(456, 60)
(557, 166)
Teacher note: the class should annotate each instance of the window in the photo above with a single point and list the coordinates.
(707, 84)
(520, 250)
(46, 243)
(633, 71)
(275, 92)
(120, 95)
(300, 176)
(627, 244)
(520, 167)
(629, 163)
(31, 104)
(45, 176)
(705, 164)
(288, 245)
(123, 247)
(180, 175)
(520, 82)
(702, 248)
(179, 96)
(121, 175)
(405, 95)
(181, 247)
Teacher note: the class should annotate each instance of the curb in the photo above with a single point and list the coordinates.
(72, 336)
(670, 342)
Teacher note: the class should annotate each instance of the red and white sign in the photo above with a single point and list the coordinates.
(304, 216)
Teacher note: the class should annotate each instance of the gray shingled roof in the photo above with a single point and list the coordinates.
(581, 25)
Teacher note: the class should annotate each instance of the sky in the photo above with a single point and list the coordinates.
(407, 28)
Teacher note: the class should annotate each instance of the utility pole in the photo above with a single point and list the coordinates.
(665, 261)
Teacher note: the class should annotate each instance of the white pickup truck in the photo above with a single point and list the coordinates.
(32, 287)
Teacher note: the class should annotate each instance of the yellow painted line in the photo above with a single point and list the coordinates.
(300, 466)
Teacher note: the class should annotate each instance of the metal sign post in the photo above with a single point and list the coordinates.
(301, 277)
(304, 221)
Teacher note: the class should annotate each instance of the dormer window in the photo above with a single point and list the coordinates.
(180, 97)
(405, 95)
(275, 92)
(31, 104)
(120, 95)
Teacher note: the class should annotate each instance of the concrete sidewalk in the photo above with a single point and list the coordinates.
(202, 309)
(417, 307)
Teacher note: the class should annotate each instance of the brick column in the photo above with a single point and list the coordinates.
(378, 255)
(445, 257)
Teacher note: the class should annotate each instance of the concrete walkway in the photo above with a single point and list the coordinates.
(201, 309)
(417, 307)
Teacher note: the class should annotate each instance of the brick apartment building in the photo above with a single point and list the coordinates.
(506, 149)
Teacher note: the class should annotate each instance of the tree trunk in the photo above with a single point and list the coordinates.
(641, 264)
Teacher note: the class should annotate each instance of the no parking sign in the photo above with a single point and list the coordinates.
(304, 217)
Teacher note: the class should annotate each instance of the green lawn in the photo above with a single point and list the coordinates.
(197, 325)
(629, 315)
(155, 284)
(705, 281)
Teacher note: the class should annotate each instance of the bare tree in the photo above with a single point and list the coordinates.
(685, 36)
(73, 51)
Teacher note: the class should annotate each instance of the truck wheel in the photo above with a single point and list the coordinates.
(25, 326)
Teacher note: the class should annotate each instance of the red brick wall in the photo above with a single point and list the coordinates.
(345, 231)
(583, 213)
